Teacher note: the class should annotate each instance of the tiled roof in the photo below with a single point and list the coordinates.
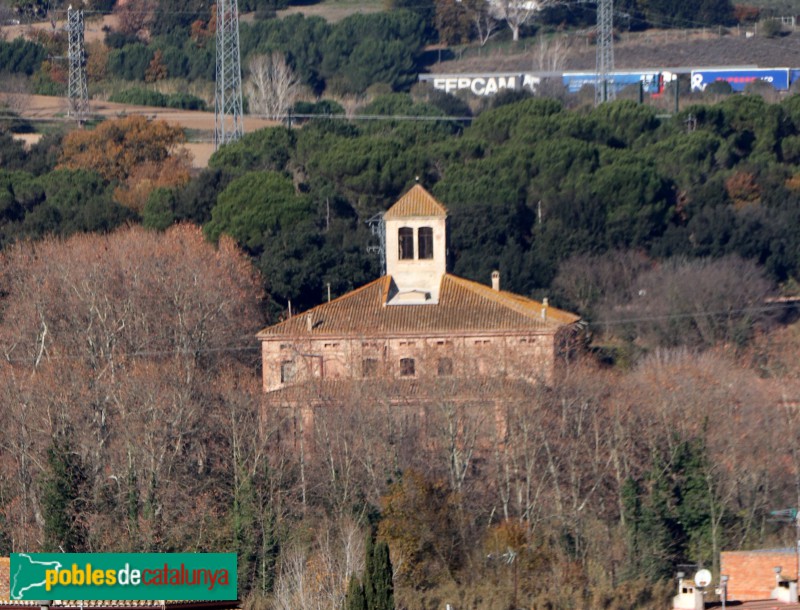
(416, 202)
(464, 306)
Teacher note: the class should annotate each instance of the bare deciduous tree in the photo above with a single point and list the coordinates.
(134, 16)
(550, 55)
(483, 21)
(272, 87)
(699, 302)
(516, 13)
(16, 94)
(318, 579)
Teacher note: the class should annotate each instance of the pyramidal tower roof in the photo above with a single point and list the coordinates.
(415, 203)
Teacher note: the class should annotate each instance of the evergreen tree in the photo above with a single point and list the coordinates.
(631, 520)
(378, 573)
(382, 578)
(369, 569)
(245, 532)
(270, 548)
(355, 599)
(62, 498)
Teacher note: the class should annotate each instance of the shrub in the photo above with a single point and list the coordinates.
(145, 97)
(771, 28)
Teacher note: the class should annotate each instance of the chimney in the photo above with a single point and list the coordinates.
(545, 305)
(309, 323)
(496, 280)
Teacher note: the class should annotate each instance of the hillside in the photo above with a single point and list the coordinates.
(43, 108)
(651, 49)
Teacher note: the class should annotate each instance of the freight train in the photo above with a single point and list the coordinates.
(652, 81)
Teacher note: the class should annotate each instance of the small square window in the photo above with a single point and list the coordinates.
(445, 368)
(369, 367)
(407, 367)
(288, 371)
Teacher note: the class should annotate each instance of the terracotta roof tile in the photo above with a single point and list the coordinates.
(416, 202)
(463, 306)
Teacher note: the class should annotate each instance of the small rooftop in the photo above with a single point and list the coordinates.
(417, 202)
(463, 306)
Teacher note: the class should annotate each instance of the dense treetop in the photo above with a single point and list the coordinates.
(528, 184)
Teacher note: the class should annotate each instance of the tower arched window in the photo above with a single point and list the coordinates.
(425, 239)
(406, 241)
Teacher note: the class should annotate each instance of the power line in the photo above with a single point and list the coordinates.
(280, 117)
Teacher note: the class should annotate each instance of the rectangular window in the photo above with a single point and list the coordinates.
(369, 367)
(288, 371)
(425, 240)
(445, 368)
(407, 367)
(405, 238)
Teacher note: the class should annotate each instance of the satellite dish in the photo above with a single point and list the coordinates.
(702, 578)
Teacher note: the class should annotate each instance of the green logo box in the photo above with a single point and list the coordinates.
(123, 576)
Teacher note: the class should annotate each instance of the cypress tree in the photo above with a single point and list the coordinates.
(382, 578)
(355, 599)
(369, 569)
(378, 585)
(62, 498)
(270, 551)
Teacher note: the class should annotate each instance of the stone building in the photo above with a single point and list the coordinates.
(417, 322)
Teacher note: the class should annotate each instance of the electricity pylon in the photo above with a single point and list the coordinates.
(228, 124)
(604, 90)
(78, 91)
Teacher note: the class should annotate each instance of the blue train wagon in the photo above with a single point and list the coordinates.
(650, 79)
(738, 79)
